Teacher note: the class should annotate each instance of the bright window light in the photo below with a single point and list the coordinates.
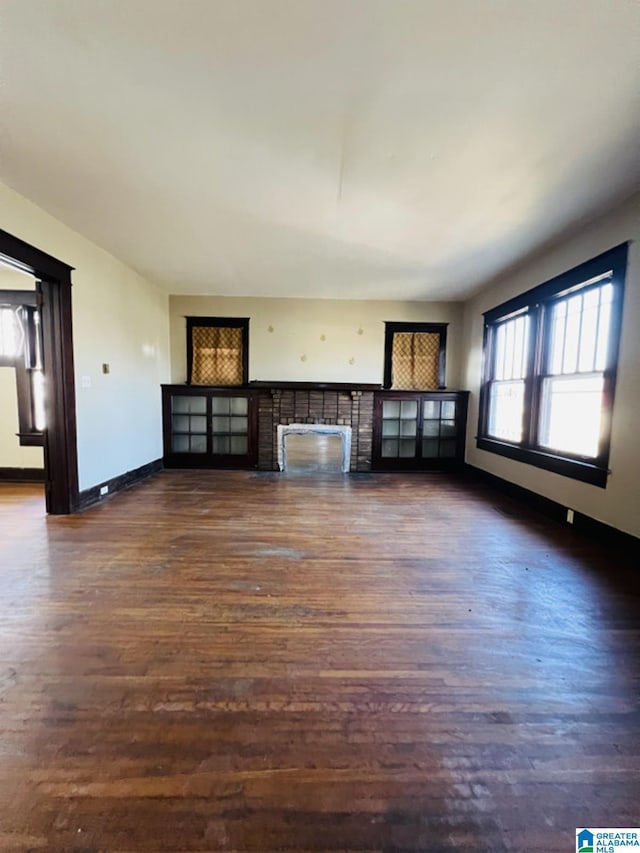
(571, 414)
(11, 335)
(506, 397)
(38, 386)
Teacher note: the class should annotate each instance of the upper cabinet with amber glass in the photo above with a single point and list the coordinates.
(217, 351)
(414, 356)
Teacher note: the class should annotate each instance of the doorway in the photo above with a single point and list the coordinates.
(53, 294)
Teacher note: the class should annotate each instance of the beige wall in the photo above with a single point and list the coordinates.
(315, 340)
(618, 504)
(118, 318)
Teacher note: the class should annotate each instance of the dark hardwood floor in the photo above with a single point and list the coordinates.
(240, 661)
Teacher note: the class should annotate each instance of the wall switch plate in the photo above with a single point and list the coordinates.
(569, 516)
(85, 381)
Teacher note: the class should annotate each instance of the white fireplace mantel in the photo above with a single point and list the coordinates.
(319, 429)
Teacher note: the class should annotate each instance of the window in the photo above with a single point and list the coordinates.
(550, 359)
(217, 351)
(11, 335)
(21, 349)
(414, 356)
(506, 390)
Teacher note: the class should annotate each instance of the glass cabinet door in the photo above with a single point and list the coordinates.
(209, 428)
(230, 425)
(399, 429)
(188, 424)
(419, 430)
(439, 428)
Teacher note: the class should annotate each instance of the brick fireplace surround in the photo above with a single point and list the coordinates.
(352, 408)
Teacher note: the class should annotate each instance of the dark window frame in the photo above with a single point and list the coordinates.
(536, 303)
(24, 364)
(220, 322)
(390, 329)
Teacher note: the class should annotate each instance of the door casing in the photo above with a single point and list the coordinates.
(60, 438)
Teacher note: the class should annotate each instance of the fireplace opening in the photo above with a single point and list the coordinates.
(314, 447)
(313, 454)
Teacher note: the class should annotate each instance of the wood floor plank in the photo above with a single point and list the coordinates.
(240, 661)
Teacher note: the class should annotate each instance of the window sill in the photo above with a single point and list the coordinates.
(586, 472)
(31, 439)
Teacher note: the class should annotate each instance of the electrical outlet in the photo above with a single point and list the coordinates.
(569, 516)
(104, 490)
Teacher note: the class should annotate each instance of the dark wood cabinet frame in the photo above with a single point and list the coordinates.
(209, 459)
(53, 285)
(418, 462)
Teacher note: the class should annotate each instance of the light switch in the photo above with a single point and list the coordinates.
(85, 381)
(106, 368)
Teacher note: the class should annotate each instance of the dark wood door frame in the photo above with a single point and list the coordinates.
(60, 442)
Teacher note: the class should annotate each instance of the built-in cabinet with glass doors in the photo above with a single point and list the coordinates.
(413, 430)
(215, 427)
(206, 428)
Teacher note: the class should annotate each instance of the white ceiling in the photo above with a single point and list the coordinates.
(335, 148)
